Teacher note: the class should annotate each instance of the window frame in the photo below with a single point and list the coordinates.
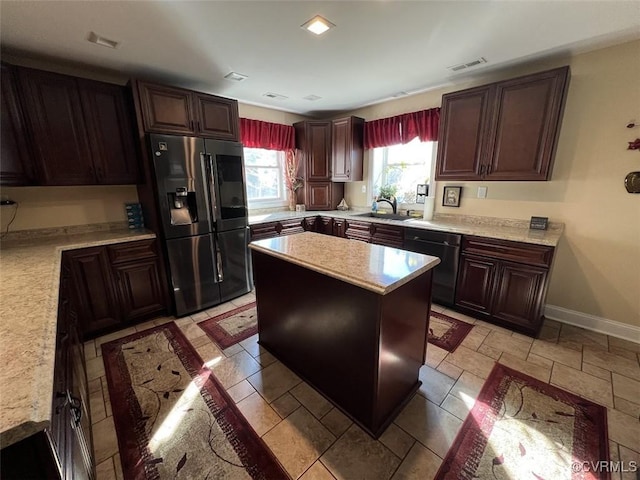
(283, 199)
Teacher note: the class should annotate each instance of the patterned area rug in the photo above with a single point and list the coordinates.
(522, 428)
(172, 418)
(447, 332)
(232, 327)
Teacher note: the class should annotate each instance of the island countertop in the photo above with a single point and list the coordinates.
(372, 267)
(29, 289)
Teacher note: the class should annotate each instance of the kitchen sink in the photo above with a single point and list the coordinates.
(387, 216)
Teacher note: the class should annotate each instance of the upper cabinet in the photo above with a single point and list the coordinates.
(184, 112)
(502, 131)
(79, 130)
(16, 167)
(347, 149)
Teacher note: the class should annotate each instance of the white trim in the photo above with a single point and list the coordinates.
(592, 322)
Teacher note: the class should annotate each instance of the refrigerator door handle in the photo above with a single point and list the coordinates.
(219, 269)
(212, 186)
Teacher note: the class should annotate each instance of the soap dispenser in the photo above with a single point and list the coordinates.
(374, 206)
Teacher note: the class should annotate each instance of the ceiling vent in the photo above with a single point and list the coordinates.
(104, 42)
(275, 96)
(462, 66)
(235, 76)
(312, 98)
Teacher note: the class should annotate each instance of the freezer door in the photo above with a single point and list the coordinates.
(228, 182)
(234, 257)
(194, 275)
(179, 168)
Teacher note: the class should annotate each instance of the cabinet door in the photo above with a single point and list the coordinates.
(166, 109)
(474, 289)
(520, 294)
(53, 108)
(289, 227)
(139, 289)
(16, 158)
(325, 225)
(317, 150)
(310, 224)
(463, 131)
(339, 227)
(217, 117)
(525, 126)
(108, 122)
(347, 149)
(94, 290)
(318, 195)
(387, 235)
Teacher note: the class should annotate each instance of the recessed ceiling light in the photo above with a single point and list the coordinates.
(312, 98)
(105, 42)
(275, 96)
(235, 76)
(317, 25)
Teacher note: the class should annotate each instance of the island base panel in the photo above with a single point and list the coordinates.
(361, 350)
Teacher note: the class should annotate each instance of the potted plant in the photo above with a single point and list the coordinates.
(388, 191)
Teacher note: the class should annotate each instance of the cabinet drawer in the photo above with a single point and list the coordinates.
(289, 227)
(358, 230)
(264, 230)
(125, 252)
(530, 254)
(387, 235)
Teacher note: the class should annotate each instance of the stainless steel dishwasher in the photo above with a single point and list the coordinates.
(445, 246)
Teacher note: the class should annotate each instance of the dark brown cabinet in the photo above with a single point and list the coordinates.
(275, 229)
(347, 149)
(356, 230)
(116, 286)
(504, 282)
(108, 118)
(64, 449)
(16, 166)
(339, 227)
(387, 235)
(324, 225)
(81, 129)
(313, 139)
(503, 131)
(178, 111)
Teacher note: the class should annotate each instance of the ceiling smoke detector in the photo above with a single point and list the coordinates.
(312, 98)
(104, 42)
(235, 76)
(275, 96)
(317, 25)
(473, 63)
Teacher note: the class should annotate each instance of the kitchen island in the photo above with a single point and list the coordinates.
(350, 318)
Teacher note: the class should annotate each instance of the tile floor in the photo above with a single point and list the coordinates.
(314, 441)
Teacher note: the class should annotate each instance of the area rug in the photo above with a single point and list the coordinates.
(447, 332)
(172, 418)
(522, 428)
(232, 327)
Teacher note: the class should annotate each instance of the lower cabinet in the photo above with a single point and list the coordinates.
(114, 286)
(355, 230)
(276, 229)
(504, 282)
(324, 225)
(64, 449)
(387, 235)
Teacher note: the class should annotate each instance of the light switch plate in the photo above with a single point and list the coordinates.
(364, 189)
(482, 192)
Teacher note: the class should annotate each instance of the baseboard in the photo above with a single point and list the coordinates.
(591, 322)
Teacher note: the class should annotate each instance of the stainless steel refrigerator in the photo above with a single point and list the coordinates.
(201, 192)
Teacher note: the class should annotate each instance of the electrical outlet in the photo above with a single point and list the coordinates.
(364, 189)
(482, 192)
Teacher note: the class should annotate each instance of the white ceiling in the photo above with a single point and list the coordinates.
(378, 48)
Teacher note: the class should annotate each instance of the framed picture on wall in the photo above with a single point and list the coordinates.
(451, 196)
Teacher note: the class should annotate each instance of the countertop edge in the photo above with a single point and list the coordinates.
(39, 418)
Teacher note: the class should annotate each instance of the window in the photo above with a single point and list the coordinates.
(264, 170)
(403, 167)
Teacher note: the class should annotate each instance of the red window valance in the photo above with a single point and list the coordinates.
(402, 128)
(270, 136)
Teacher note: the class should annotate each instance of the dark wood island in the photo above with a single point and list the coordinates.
(348, 317)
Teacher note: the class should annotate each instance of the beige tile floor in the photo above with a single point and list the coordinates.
(314, 441)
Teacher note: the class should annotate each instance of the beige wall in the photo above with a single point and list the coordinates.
(48, 207)
(268, 115)
(597, 265)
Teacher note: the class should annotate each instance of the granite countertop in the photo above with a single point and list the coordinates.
(29, 288)
(490, 227)
(373, 267)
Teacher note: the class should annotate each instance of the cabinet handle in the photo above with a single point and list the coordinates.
(482, 167)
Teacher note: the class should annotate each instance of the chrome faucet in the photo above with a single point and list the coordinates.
(394, 204)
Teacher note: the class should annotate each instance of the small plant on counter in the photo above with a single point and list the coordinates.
(388, 191)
